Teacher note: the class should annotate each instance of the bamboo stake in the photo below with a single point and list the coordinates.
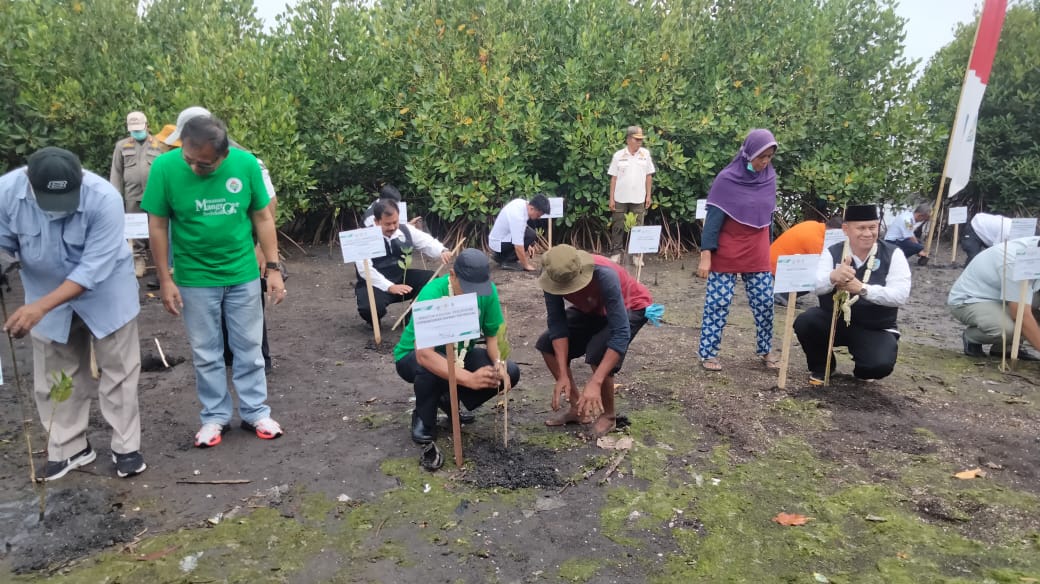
(454, 253)
(830, 344)
(453, 392)
(161, 354)
(550, 233)
(785, 351)
(372, 303)
(956, 237)
(1016, 338)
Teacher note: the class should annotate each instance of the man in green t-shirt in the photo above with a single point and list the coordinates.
(214, 198)
(427, 369)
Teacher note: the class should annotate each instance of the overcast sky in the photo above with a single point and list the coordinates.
(929, 27)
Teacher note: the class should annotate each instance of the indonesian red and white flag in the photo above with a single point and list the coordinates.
(962, 139)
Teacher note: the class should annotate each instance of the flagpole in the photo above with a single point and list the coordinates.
(937, 207)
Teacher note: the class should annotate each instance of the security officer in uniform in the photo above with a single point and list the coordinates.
(131, 162)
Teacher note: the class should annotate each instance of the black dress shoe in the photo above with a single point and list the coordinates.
(1023, 354)
(465, 416)
(972, 349)
(420, 433)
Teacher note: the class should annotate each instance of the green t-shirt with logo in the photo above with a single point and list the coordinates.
(210, 224)
(489, 307)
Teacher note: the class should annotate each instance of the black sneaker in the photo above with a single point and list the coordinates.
(511, 266)
(972, 349)
(129, 464)
(57, 469)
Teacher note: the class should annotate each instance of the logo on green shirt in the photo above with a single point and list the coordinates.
(211, 207)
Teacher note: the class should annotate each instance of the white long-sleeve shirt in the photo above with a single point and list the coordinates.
(421, 241)
(894, 293)
(510, 225)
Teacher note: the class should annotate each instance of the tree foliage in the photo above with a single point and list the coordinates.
(1006, 168)
(465, 104)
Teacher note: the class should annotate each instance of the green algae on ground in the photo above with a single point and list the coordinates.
(580, 569)
(556, 438)
(724, 529)
(260, 547)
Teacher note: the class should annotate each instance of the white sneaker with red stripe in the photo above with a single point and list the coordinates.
(266, 429)
(209, 435)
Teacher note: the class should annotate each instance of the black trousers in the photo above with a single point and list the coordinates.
(971, 244)
(414, 278)
(508, 253)
(874, 351)
(588, 334)
(431, 389)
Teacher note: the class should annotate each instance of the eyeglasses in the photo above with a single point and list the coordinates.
(200, 166)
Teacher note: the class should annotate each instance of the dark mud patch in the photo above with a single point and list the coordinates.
(845, 393)
(519, 467)
(78, 522)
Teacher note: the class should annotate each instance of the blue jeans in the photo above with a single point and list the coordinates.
(240, 306)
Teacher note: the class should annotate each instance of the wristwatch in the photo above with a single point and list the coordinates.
(272, 265)
(862, 291)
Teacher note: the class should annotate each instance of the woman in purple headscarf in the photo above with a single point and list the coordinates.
(735, 241)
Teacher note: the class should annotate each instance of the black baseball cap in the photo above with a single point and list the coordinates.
(473, 271)
(56, 177)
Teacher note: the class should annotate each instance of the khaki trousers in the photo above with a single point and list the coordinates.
(118, 358)
(617, 224)
(986, 321)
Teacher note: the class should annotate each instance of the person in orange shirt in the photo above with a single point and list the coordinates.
(802, 238)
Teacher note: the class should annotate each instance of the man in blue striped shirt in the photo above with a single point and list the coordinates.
(66, 227)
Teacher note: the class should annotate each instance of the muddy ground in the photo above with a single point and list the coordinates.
(716, 456)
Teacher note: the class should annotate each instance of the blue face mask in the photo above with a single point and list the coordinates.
(139, 135)
(751, 168)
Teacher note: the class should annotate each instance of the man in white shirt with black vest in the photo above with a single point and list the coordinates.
(876, 277)
(393, 280)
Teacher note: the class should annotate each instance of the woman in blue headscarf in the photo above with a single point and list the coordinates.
(735, 241)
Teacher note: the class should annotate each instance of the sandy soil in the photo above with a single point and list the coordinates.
(345, 412)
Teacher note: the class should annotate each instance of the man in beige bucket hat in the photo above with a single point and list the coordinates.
(608, 309)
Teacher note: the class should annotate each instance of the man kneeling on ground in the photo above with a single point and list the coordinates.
(876, 277)
(608, 309)
(427, 369)
(391, 280)
(985, 299)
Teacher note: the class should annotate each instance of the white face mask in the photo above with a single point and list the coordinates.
(56, 215)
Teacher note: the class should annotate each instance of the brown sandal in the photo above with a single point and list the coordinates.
(566, 419)
(770, 361)
(711, 364)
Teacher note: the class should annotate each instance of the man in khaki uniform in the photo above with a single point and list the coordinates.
(131, 162)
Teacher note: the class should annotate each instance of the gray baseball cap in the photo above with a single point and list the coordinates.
(473, 271)
(183, 118)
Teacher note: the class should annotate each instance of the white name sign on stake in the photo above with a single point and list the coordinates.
(1022, 227)
(644, 239)
(832, 236)
(796, 273)
(361, 244)
(402, 212)
(1027, 264)
(702, 209)
(555, 207)
(958, 215)
(135, 226)
(446, 320)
